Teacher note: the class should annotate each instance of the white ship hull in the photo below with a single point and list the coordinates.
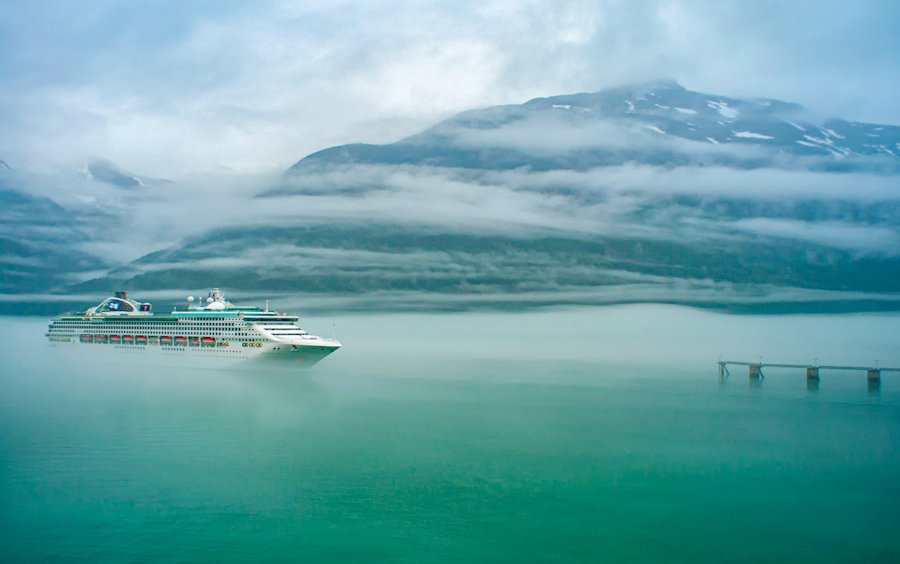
(268, 354)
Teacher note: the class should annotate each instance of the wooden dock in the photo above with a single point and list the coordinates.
(755, 370)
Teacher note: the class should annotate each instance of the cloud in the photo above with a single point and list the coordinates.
(170, 88)
(851, 211)
(562, 134)
(684, 203)
(758, 184)
(843, 235)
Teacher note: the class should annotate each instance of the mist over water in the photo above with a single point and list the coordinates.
(579, 434)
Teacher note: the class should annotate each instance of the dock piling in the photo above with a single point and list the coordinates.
(723, 371)
(756, 371)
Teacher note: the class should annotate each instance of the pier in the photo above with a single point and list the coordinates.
(755, 371)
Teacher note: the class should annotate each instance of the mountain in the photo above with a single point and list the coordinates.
(39, 245)
(377, 263)
(641, 193)
(106, 171)
(48, 223)
(659, 123)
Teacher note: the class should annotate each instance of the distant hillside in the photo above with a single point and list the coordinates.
(38, 245)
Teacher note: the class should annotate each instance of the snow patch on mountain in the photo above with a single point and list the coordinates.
(751, 135)
(819, 140)
(882, 148)
(724, 109)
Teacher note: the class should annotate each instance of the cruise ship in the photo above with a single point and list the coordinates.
(214, 329)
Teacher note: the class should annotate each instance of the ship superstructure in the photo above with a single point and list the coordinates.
(216, 328)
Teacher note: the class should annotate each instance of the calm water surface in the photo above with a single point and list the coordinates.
(581, 435)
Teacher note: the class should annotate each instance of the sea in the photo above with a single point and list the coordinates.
(588, 434)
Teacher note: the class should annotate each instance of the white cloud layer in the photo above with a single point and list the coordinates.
(167, 88)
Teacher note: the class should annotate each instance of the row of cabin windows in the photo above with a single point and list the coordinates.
(150, 326)
(244, 337)
(169, 329)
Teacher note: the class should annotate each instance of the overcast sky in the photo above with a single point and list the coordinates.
(169, 87)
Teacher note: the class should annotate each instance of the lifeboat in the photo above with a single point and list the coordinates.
(165, 340)
(115, 339)
(100, 338)
(127, 339)
(181, 341)
(140, 340)
(208, 341)
(87, 338)
(153, 340)
(194, 341)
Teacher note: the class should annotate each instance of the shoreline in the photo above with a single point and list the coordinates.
(469, 303)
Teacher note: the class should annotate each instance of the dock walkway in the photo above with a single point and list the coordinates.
(755, 369)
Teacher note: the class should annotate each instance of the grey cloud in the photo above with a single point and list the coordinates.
(851, 236)
(697, 203)
(561, 197)
(166, 88)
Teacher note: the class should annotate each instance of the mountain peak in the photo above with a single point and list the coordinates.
(659, 122)
(625, 90)
(106, 171)
(651, 85)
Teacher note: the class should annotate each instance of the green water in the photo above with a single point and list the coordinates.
(588, 435)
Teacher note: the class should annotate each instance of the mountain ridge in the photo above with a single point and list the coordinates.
(104, 170)
(665, 113)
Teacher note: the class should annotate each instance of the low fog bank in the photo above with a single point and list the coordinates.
(722, 298)
(635, 336)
